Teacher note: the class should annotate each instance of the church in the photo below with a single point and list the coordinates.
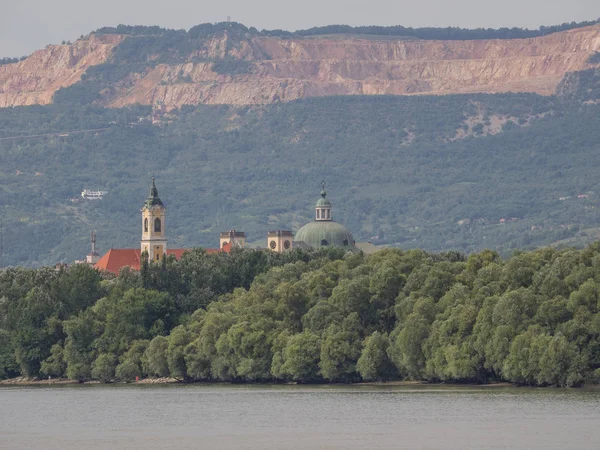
(320, 233)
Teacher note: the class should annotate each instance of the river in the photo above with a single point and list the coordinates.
(209, 416)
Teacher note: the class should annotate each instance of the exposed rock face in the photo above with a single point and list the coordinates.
(288, 69)
(35, 79)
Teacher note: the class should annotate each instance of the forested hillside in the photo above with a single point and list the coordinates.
(532, 319)
(463, 172)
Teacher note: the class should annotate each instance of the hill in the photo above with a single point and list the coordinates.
(461, 172)
(231, 64)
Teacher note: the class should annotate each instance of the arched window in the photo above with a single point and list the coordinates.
(324, 242)
(157, 225)
(146, 225)
(345, 241)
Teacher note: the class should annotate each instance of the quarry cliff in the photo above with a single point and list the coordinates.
(251, 69)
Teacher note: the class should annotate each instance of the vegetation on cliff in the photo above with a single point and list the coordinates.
(531, 319)
(11, 60)
(425, 33)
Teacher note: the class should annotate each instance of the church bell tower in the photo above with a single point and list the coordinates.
(154, 241)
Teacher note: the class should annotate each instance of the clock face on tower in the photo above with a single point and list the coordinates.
(273, 244)
(286, 245)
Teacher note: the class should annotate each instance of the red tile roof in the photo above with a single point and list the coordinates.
(117, 258)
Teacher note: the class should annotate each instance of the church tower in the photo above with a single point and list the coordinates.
(153, 241)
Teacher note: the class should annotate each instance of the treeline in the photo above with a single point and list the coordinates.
(533, 319)
(594, 59)
(58, 322)
(11, 60)
(426, 33)
(433, 33)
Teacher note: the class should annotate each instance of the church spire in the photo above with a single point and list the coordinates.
(153, 199)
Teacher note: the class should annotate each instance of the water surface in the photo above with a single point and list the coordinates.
(297, 417)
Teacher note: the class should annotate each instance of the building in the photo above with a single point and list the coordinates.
(153, 243)
(233, 237)
(280, 240)
(323, 231)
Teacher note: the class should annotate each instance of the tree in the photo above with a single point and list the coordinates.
(103, 368)
(341, 349)
(177, 341)
(560, 364)
(374, 363)
(8, 364)
(35, 329)
(406, 350)
(133, 362)
(301, 357)
(81, 330)
(134, 314)
(156, 357)
(55, 365)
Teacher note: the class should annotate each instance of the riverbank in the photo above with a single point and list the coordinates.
(26, 381)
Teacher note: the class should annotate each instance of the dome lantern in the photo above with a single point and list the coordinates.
(323, 206)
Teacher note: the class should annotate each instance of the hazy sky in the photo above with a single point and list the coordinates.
(27, 25)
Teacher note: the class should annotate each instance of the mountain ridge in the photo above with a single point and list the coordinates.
(236, 67)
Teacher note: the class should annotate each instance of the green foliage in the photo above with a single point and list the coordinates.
(374, 363)
(431, 191)
(133, 362)
(8, 363)
(301, 357)
(594, 59)
(341, 349)
(448, 33)
(231, 67)
(156, 357)
(55, 365)
(134, 314)
(532, 319)
(177, 341)
(103, 368)
(11, 60)
(82, 330)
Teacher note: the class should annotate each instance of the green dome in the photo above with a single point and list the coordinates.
(320, 234)
(323, 202)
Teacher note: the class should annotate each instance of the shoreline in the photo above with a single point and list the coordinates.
(25, 381)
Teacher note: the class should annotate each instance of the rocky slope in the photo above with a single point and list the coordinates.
(35, 79)
(277, 69)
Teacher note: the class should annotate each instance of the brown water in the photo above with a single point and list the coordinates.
(297, 417)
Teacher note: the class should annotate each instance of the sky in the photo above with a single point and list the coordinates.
(27, 25)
